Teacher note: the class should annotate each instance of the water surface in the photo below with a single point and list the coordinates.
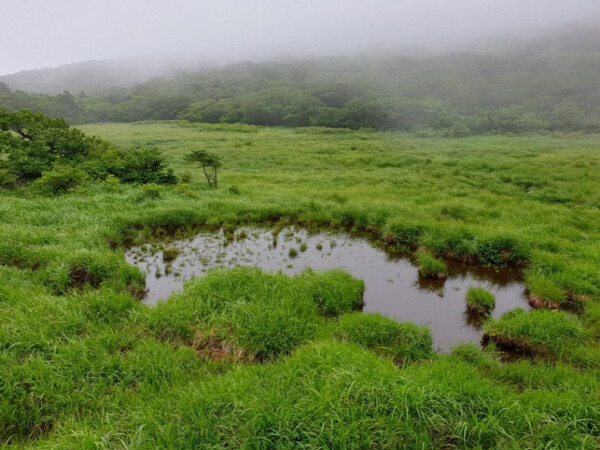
(392, 285)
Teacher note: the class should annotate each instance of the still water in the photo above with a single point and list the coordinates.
(392, 285)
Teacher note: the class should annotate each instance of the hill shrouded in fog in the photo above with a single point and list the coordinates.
(549, 82)
(94, 77)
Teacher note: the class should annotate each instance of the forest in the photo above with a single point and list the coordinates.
(549, 85)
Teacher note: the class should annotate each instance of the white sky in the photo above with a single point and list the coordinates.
(41, 33)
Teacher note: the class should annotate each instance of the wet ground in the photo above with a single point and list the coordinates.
(392, 285)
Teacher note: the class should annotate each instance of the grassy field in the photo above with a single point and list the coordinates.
(245, 358)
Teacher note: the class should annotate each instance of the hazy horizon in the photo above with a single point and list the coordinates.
(63, 32)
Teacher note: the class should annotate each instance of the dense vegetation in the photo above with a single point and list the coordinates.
(551, 86)
(59, 157)
(245, 358)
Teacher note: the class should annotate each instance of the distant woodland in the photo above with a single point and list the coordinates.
(546, 85)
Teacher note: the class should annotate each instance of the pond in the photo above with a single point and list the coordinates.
(392, 285)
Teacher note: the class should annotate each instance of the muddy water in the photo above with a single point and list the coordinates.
(392, 285)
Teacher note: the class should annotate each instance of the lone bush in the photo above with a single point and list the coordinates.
(61, 179)
(150, 191)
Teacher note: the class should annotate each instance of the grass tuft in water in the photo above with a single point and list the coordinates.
(480, 301)
(431, 267)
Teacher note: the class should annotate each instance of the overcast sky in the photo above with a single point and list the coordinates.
(42, 33)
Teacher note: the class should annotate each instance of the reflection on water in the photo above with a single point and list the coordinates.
(392, 284)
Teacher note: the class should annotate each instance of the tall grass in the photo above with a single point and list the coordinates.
(84, 364)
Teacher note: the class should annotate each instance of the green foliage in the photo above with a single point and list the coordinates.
(335, 292)
(544, 289)
(186, 177)
(403, 341)
(430, 266)
(40, 147)
(60, 179)
(7, 178)
(35, 142)
(480, 300)
(151, 192)
(141, 165)
(541, 88)
(85, 364)
(209, 162)
(501, 250)
(542, 332)
(260, 315)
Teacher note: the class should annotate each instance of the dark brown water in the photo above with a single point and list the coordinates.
(392, 285)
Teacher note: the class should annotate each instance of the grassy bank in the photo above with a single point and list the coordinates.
(85, 364)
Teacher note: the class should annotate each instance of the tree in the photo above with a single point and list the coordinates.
(38, 146)
(209, 162)
(35, 142)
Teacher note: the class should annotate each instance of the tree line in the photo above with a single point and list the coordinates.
(461, 94)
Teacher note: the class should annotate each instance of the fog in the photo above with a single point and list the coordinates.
(38, 33)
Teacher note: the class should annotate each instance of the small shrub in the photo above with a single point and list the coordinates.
(480, 301)
(303, 247)
(431, 267)
(112, 183)
(142, 165)
(61, 179)
(7, 178)
(186, 176)
(150, 192)
(403, 341)
(185, 191)
(293, 253)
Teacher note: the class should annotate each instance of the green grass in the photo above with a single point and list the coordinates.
(430, 266)
(480, 300)
(544, 292)
(243, 358)
(335, 292)
(403, 341)
(170, 254)
(547, 333)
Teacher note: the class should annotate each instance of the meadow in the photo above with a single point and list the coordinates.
(243, 358)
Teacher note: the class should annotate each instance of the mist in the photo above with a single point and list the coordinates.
(39, 34)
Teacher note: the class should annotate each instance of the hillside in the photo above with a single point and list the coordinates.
(94, 77)
(547, 83)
